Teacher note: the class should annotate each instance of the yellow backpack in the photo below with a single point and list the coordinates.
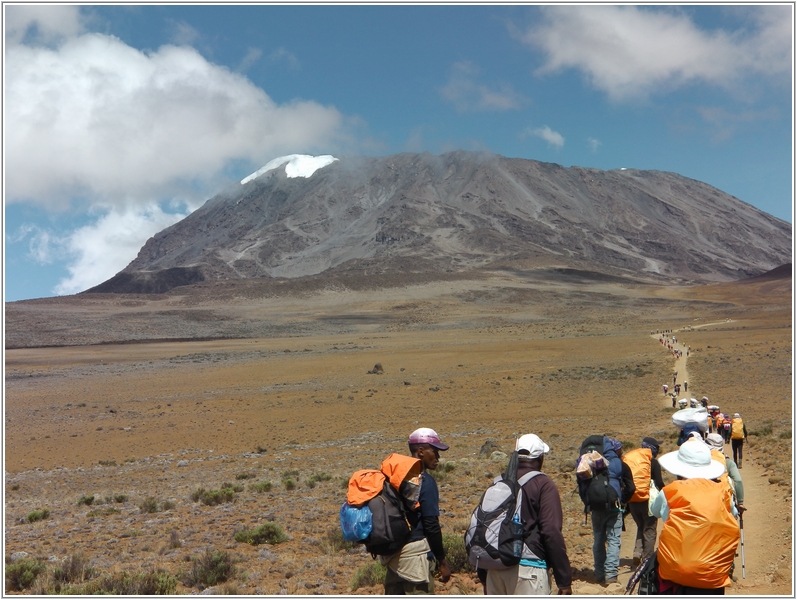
(737, 429)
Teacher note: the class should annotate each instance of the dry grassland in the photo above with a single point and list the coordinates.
(283, 410)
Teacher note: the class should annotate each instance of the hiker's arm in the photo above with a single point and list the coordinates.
(434, 535)
(627, 486)
(655, 473)
(736, 477)
(550, 520)
(660, 508)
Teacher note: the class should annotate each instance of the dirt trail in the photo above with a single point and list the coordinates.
(767, 555)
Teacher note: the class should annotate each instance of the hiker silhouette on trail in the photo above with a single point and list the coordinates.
(700, 535)
(738, 432)
(411, 571)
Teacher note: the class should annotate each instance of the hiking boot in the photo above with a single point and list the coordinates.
(637, 560)
(609, 580)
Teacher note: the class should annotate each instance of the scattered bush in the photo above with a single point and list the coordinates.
(174, 540)
(211, 568)
(234, 487)
(74, 569)
(456, 555)
(15, 487)
(267, 533)
(107, 463)
(371, 574)
(260, 450)
(148, 505)
(244, 476)
(38, 515)
(785, 435)
(263, 486)
(627, 445)
(21, 574)
(213, 497)
(155, 582)
(104, 512)
(289, 484)
(167, 505)
(317, 477)
(334, 541)
(87, 500)
(766, 430)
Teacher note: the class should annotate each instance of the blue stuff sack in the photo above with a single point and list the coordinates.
(355, 522)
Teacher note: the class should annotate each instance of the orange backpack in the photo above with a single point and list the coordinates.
(368, 483)
(638, 460)
(700, 536)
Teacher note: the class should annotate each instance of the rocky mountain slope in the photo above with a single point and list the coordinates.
(462, 211)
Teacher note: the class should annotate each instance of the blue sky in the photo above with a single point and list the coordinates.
(121, 120)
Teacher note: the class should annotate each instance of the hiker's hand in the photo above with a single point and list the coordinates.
(740, 508)
(445, 571)
(566, 591)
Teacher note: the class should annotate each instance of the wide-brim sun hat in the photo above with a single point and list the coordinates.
(692, 461)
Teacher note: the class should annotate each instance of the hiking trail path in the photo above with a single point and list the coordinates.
(767, 555)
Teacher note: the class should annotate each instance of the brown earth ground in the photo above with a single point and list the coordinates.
(286, 394)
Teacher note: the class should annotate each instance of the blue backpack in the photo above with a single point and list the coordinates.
(688, 428)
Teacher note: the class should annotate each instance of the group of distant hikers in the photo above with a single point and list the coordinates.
(515, 540)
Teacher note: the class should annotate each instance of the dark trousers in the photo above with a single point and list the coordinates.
(737, 450)
(645, 529)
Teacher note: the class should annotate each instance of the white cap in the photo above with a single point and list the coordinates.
(737, 416)
(533, 445)
(692, 461)
(714, 440)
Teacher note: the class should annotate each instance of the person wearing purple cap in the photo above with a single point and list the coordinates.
(411, 571)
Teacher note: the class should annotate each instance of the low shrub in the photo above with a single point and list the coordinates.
(104, 512)
(267, 533)
(260, 487)
(784, 435)
(155, 582)
(20, 575)
(74, 569)
(244, 476)
(213, 567)
(764, 431)
(38, 515)
(120, 498)
(213, 497)
(235, 487)
(167, 505)
(334, 541)
(148, 505)
(87, 500)
(371, 574)
(289, 484)
(456, 555)
(316, 478)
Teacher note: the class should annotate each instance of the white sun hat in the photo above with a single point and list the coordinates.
(692, 461)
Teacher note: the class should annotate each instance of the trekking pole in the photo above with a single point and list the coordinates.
(741, 530)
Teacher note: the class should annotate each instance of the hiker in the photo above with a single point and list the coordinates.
(715, 443)
(644, 469)
(738, 437)
(665, 387)
(607, 517)
(674, 396)
(726, 428)
(541, 515)
(699, 535)
(412, 570)
(677, 388)
(686, 386)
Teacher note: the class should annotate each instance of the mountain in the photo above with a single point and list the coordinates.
(460, 211)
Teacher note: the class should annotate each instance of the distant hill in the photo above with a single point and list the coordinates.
(413, 213)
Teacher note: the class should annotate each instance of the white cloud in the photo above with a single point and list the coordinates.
(97, 118)
(100, 250)
(184, 34)
(593, 144)
(44, 24)
(252, 56)
(468, 95)
(554, 138)
(283, 55)
(628, 51)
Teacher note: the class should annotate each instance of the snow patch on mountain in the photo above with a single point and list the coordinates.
(298, 165)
